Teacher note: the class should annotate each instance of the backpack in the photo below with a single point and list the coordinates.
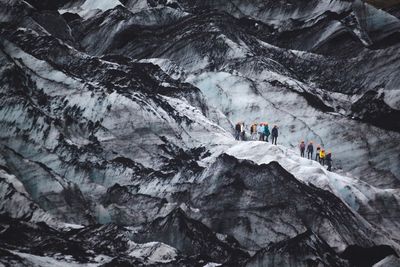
(266, 131)
(254, 128)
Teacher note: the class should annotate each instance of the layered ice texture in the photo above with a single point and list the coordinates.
(116, 130)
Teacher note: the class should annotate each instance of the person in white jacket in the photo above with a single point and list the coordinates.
(242, 132)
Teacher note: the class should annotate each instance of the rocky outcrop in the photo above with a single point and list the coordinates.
(306, 249)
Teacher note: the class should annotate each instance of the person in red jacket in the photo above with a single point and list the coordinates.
(302, 148)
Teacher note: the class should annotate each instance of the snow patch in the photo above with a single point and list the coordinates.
(90, 7)
(153, 252)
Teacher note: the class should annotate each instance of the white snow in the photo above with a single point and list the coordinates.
(47, 261)
(103, 5)
(390, 261)
(89, 6)
(72, 226)
(212, 264)
(14, 181)
(153, 252)
(235, 50)
(392, 98)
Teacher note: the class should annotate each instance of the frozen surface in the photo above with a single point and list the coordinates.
(128, 123)
(87, 8)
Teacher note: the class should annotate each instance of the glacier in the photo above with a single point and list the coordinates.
(117, 133)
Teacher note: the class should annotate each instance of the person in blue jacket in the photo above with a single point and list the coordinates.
(260, 131)
(266, 132)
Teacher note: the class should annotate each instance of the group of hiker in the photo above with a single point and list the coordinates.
(320, 155)
(258, 131)
(261, 132)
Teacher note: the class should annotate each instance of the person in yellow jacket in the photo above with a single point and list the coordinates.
(317, 153)
(322, 156)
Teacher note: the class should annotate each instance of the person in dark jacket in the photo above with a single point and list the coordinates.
(310, 151)
(328, 159)
(274, 134)
(237, 131)
(302, 148)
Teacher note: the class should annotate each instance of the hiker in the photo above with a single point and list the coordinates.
(322, 157)
(317, 153)
(237, 131)
(302, 149)
(266, 132)
(328, 159)
(310, 150)
(274, 134)
(260, 130)
(242, 132)
(253, 131)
